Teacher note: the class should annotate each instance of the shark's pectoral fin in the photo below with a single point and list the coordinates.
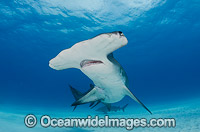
(128, 92)
(93, 95)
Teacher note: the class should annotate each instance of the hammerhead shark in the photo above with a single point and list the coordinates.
(95, 59)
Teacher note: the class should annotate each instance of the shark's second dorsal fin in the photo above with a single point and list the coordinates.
(128, 92)
(93, 95)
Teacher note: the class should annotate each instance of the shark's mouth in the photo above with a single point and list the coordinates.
(86, 63)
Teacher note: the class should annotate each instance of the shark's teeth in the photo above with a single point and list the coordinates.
(85, 63)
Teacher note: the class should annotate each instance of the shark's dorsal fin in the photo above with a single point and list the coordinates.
(128, 92)
(93, 95)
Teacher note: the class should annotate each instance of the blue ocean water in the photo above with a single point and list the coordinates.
(162, 58)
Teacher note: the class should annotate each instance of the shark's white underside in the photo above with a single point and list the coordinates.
(95, 59)
(106, 75)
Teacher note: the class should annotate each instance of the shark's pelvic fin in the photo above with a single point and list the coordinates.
(108, 106)
(93, 95)
(96, 104)
(91, 104)
(123, 108)
(128, 92)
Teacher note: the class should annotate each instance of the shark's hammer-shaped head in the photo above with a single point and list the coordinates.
(89, 51)
(106, 43)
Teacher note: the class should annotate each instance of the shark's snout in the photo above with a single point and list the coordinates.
(51, 64)
(54, 64)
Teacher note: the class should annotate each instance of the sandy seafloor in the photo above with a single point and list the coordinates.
(161, 59)
(186, 113)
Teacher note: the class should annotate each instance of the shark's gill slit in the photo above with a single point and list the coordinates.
(85, 63)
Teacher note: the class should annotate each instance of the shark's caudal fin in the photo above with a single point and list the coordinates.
(123, 108)
(93, 95)
(77, 94)
(128, 92)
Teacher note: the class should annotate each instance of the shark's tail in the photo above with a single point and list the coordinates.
(77, 94)
(93, 95)
(81, 98)
(123, 108)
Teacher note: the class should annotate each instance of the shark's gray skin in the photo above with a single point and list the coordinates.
(95, 59)
(105, 110)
